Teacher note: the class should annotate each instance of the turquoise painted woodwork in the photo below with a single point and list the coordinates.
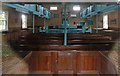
(83, 26)
(95, 9)
(33, 23)
(26, 8)
(97, 19)
(65, 23)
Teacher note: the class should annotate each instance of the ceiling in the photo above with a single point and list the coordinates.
(59, 1)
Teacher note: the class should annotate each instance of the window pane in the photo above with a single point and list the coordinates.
(2, 16)
(3, 21)
(24, 21)
(53, 8)
(2, 24)
(105, 21)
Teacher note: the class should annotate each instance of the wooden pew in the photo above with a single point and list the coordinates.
(101, 47)
(45, 46)
(48, 41)
(88, 42)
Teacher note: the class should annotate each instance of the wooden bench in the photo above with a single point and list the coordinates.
(48, 41)
(87, 42)
(101, 47)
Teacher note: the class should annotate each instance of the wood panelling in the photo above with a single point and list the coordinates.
(41, 61)
(78, 62)
(65, 62)
(89, 61)
(54, 61)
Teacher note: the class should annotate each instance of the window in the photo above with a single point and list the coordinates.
(24, 21)
(3, 21)
(76, 8)
(105, 22)
(73, 15)
(53, 8)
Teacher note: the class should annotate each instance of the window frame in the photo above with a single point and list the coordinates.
(104, 26)
(6, 21)
(22, 21)
(51, 8)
